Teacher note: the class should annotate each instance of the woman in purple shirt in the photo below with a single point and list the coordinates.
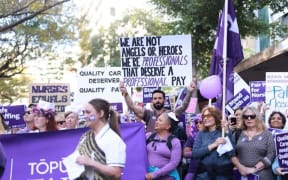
(163, 149)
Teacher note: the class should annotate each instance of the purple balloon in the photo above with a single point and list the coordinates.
(210, 87)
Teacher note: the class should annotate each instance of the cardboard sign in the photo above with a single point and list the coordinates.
(57, 93)
(156, 61)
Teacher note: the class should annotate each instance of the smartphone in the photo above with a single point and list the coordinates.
(233, 120)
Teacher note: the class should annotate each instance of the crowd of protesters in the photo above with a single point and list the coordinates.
(253, 147)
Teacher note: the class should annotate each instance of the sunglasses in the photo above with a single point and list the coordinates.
(27, 112)
(60, 122)
(249, 116)
(206, 116)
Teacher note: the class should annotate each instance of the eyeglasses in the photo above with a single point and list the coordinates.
(206, 116)
(61, 122)
(253, 116)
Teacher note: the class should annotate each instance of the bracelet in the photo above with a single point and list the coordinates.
(124, 94)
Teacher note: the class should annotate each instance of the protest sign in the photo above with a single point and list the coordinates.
(192, 105)
(281, 141)
(57, 93)
(147, 94)
(276, 93)
(40, 155)
(13, 115)
(257, 91)
(239, 100)
(99, 83)
(167, 103)
(156, 61)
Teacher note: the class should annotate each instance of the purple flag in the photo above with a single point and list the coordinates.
(234, 51)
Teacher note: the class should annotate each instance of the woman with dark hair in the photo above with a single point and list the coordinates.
(211, 164)
(163, 149)
(277, 120)
(101, 149)
(44, 120)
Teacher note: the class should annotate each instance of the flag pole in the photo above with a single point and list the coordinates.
(225, 22)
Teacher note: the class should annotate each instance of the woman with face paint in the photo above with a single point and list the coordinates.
(102, 150)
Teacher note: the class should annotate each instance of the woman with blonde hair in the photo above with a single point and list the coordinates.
(255, 148)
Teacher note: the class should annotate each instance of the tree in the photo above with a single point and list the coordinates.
(25, 27)
(13, 88)
(30, 29)
(104, 46)
(199, 18)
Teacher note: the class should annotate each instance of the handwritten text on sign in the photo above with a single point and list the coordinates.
(57, 93)
(276, 94)
(156, 61)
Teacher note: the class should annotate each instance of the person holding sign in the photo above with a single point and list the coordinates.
(277, 120)
(158, 100)
(101, 149)
(255, 148)
(163, 149)
(212, 165)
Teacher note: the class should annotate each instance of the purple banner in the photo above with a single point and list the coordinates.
(181, 97)
(13, 115)
(241, 99)
(147, 93)
(281, 141)
(117, 107)
(257, 91)
(39, 155)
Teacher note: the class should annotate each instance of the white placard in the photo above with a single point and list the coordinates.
(156, 61)
(99, 83)
(276, 93)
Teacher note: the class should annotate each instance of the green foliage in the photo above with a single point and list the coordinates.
(199, 18)
(31, 29)
(13, 89)
(104, 50)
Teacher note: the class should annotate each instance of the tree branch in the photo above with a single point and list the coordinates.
(18, 10)
(5, 28)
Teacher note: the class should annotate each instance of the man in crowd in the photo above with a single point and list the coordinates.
(29, 120)
(158, 100)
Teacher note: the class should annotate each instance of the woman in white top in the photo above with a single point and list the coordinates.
(102, 150)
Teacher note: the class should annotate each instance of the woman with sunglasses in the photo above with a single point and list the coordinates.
(255, 148)
(212, 166)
